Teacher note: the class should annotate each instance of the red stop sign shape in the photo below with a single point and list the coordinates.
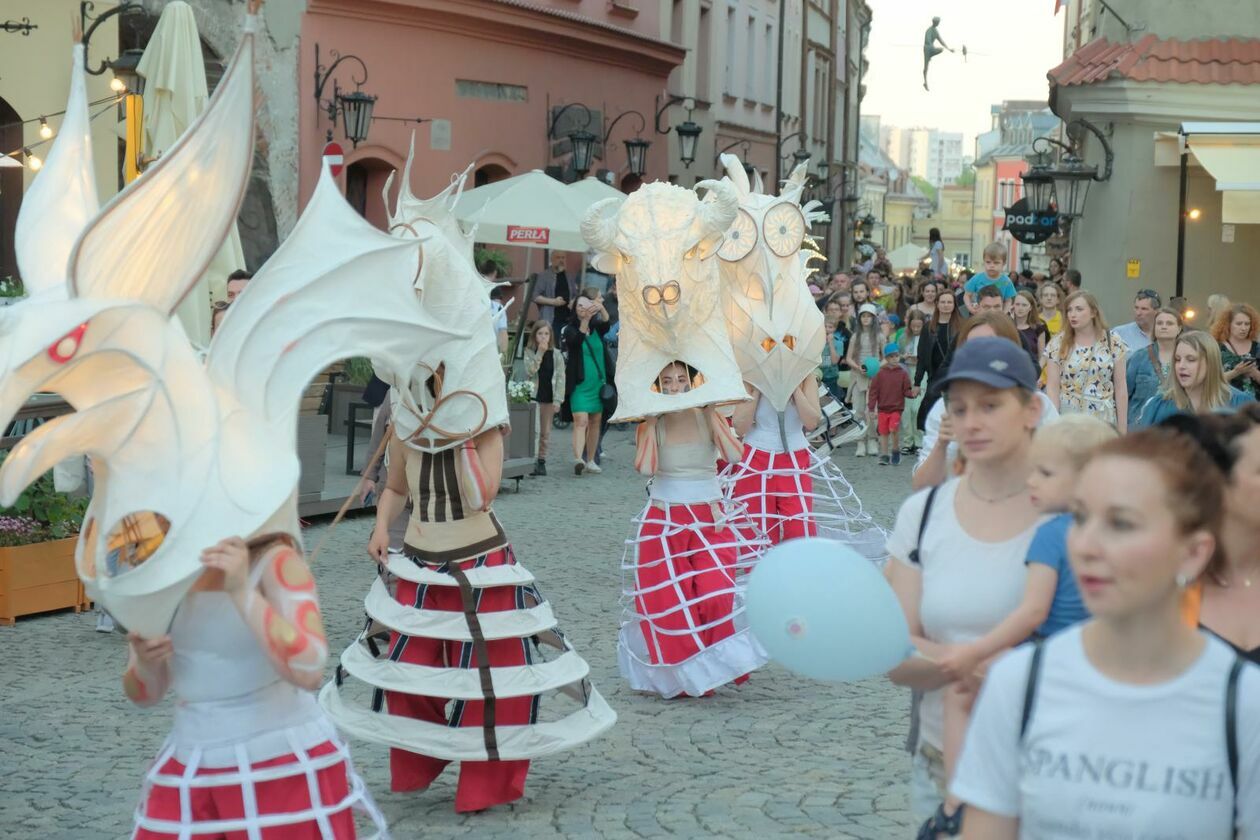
(335, 156)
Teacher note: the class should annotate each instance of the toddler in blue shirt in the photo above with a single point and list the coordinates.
(1051, 599)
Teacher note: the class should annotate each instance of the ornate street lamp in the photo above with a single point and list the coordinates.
(636, 147)
(86, 6)
(355, 107)
(688, 133)
(688, 136)
(1071, 177)
(581, 141)
(125, 75)
(1025, 261)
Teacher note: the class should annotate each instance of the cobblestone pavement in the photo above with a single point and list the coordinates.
(780, 756)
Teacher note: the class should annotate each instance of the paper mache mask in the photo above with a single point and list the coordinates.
(660, 242)
(775, 326)
(431, 412)
(207, 445)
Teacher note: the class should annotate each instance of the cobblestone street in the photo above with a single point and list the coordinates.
(780, 756)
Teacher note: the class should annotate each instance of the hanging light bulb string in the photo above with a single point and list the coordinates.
(113, 98)
(27, 149)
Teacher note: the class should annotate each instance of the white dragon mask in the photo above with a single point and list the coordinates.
(775, 326)
(432, 412)
(660, 242)
(209, 444)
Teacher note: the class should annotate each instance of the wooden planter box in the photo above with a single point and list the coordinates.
(39, 577)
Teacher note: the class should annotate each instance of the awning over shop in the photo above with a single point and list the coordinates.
(1230, 152)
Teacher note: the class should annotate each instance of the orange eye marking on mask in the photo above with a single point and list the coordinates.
(292, 572)
(309, 619)
(768, 344)
(285, 640)
(789, 341)
(64, 348)
(134, 688)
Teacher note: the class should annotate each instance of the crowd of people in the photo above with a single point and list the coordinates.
(1083, 488)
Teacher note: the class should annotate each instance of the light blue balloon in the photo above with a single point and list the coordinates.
(825, 612)
(871, 365)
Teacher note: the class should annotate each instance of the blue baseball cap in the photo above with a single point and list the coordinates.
(992, 361)
(892, 347)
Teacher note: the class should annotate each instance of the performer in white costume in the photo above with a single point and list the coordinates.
(473, 646)
(683, 630)
(205, 447)
(778, 335)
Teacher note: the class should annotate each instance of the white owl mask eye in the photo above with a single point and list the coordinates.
(784, 228)
(741, 237)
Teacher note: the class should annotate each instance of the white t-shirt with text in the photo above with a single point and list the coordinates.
(1104, 759)
(968, 586)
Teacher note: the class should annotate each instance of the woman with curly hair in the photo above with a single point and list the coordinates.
(1235, 328)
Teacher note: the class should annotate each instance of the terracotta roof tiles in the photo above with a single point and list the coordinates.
(1223, 61)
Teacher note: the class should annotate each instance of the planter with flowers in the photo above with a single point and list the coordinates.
(11, 290)
(523, 415)
(37, 539)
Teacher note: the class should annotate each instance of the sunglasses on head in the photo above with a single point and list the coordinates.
(1151, 295)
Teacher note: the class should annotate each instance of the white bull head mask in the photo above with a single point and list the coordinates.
(659, 242)
(775, 326)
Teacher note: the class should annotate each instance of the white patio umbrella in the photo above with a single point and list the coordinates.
(7, 162)
(590, 190)
(907, 256)
(532, 210)
(175, 93)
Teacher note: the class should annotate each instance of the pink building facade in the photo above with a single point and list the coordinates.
(487, 76)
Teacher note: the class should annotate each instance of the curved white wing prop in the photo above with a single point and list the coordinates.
(155, 239)
(210, 450)
(61, 200)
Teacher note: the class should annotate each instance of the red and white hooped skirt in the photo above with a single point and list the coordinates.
(308, 793)
(683, 629)
(800, 494)
(473, 650)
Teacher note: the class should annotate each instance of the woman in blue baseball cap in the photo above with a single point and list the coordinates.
(956, 555)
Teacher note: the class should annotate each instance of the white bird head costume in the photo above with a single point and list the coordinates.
(775, 326)
(659, 242)
(432, 412)
(209, 446)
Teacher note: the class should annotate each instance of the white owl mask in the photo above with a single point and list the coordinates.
(775, 326)
(210, 446)
(660, 243)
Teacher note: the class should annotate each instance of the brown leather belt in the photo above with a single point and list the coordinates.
(483, 658)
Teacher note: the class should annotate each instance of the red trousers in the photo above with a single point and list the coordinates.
(684, 581)
(290, 794)
(777, 490)
(482, 784)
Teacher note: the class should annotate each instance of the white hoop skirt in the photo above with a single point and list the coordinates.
(473, 650)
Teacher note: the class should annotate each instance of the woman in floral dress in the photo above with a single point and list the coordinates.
(1085, 366)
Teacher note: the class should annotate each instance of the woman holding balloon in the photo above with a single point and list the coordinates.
(1135, 723)
(957, 552)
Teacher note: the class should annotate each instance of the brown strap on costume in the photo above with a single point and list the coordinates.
(480, 647)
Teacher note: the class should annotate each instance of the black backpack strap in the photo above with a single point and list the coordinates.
(1231, 722)
(1030, 687)
(923, 521)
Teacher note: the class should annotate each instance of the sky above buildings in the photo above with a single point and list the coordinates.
(1010, 46)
